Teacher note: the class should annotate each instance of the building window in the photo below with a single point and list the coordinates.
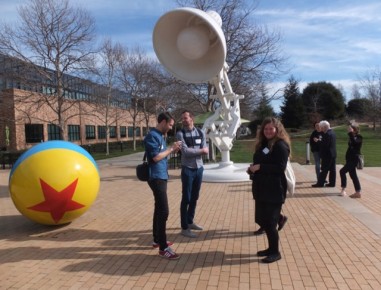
(123, 131)
(138, 134)
(90, 132)
(34, 133)
(101, 132)
(130, 132)
(53, 132)
(145, 131)
(73, 132)
(112, 131)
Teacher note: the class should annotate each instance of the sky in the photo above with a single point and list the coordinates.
(336, 41)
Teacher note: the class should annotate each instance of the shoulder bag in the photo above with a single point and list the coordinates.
(142, 170)
(290, 177)
(360, 162)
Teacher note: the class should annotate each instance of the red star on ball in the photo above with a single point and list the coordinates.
(57, 202)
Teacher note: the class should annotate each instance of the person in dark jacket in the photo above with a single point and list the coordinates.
(351, 160)
(269, 187)
(328, 156)
(315, 140)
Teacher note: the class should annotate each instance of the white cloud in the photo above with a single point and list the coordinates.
(333, 41)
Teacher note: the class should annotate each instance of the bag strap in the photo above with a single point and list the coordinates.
(145, 152)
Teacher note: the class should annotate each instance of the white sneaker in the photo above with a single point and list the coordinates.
(169, 254)
(195, 227)
(188, 233)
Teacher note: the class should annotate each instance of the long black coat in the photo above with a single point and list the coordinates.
(328, 145)
(269, 182)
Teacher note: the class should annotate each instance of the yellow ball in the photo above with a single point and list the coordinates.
(54, 182)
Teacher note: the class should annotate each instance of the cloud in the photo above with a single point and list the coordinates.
(333, 41)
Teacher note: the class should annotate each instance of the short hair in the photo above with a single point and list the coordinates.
(165, 116)
(189, 112)
(324, 124)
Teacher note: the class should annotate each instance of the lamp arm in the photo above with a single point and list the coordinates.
(222, 132)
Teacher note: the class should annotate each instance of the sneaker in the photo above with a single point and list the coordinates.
(343, 193)
(195, 227)
(188, 233)
(355, 195)
(169, 254)
(282, 222)
(156, 245)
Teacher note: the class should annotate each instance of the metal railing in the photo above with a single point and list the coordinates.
(8, 159)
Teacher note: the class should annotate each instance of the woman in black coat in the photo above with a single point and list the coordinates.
(272, 151)
(351, 160)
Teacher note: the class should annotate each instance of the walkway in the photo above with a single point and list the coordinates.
(329, 242)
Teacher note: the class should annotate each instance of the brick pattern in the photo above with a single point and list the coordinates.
(323, 245)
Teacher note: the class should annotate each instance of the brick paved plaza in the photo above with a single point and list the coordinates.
(329, 242)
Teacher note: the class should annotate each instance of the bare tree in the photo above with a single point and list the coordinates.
(253, 52)
(136, 77)
(371, 86)
(109, 98)
(355, 92)
(52, 40)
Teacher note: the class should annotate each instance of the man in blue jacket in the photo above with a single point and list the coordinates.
(157, 154)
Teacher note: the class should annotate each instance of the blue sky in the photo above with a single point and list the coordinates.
(336, 41)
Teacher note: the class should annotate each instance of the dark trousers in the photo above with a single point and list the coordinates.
(161, 211)
(350, 166)
(268, 216)
(327, 165)
(191, 179)
(316, 155)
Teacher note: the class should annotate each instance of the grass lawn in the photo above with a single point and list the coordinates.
(115, 153)
(242, 150)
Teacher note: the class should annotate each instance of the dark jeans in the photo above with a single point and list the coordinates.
(327, 165)
(191, 179)
(350, 166)
(316, 155)
(161, 212)
(268, 216)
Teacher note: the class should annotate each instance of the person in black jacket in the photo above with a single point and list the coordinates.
(351, 160)
(315, 140)
(269, 187)
(328, 156)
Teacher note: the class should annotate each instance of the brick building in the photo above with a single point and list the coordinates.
(28, 110)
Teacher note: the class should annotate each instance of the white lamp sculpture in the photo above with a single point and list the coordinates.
(191, 45)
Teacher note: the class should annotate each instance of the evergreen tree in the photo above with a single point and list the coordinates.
(359, 108)
(292, 111)
(264, 108)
